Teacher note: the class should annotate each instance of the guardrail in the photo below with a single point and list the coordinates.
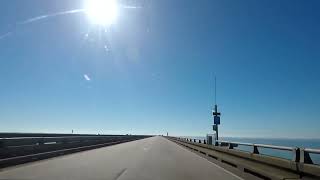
(18, 150)
(305, 155)
(298, 154)
(224, 152)
(293, 150)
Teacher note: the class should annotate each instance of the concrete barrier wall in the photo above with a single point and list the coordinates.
(12, 135)
(18, 150)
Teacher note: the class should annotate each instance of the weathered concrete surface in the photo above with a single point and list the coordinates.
(151, 158)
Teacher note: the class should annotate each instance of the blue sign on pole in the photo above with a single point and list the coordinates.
(216, 120)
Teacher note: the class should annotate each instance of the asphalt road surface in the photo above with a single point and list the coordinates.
(152, 158)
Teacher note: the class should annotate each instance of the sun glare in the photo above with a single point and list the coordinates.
(102, 12)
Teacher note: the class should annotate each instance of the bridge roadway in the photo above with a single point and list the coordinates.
(151, 158)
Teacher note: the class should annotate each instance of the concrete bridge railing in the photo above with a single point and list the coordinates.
(298, 154)
(253, 163)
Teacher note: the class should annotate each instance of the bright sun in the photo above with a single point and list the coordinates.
(102, 12)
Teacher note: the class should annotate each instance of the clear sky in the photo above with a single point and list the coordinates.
(152, 70)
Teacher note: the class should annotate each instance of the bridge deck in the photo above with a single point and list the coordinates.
(151, 158)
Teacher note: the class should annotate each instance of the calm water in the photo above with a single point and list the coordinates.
(307, 143)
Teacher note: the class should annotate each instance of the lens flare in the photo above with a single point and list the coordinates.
(102, 12)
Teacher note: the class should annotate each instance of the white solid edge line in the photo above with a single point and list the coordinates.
(221, 168)
(214, 164)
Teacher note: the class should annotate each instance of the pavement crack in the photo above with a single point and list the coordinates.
(120, 173)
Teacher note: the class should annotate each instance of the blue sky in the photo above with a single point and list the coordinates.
(157, 74)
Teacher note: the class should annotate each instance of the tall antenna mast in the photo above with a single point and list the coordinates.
(215, 90)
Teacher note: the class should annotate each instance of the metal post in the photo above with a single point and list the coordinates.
(217, 137)
(215, 113)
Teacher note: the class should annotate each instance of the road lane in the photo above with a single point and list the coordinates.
(152, 158)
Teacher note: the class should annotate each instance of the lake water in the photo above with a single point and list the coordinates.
(306, 143)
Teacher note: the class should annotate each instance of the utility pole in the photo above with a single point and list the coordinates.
(215, 113)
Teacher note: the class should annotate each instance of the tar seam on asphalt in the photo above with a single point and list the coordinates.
(120, 173)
